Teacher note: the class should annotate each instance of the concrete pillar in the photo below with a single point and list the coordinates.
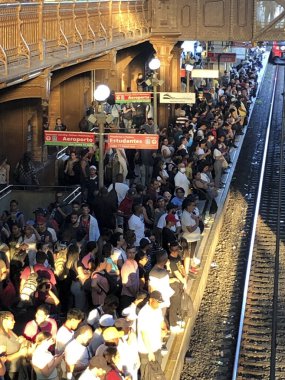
(164, 48)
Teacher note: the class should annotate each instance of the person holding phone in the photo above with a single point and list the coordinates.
(43, 361)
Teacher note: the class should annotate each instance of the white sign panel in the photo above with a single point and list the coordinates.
(201, 73)
(177, 97)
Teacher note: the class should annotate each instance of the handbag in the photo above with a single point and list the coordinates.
(224, 164)
(153, 371)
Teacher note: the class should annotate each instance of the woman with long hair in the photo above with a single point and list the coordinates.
(15, 347)
(44, 362)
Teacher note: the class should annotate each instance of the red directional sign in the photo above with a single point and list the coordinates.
(222, 57)
(69, 138)
(132, 141)
(133, 97)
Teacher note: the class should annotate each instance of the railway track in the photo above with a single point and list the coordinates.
(221, 346)
(261, 343)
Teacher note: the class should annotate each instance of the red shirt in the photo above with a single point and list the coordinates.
(42, 271)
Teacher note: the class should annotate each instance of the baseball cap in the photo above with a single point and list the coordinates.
(99, 362)
(171, 218)
(93, 167)
(112, 333)
(123, 323)
(144, 242)
(106, 320)
(156, 295)
(132, 192)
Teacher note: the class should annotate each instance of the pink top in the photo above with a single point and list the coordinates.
(32, 329)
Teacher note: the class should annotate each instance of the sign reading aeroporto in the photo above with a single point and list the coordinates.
(69, 138)
(132, 141)
(132, 97)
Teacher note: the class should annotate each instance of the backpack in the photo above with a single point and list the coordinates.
(115, 286)
(30, 286)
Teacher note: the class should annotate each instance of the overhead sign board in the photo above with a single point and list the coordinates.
(201, 73)
(69, 138)
(132, 141)
(177, 97)
(222, 57)
(132, 97)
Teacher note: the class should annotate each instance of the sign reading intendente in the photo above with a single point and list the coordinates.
(69, 138)
(132, 141)
(132, 97)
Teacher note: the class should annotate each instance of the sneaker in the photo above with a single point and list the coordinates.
(196, 262)
(193, 271)
(176, 329)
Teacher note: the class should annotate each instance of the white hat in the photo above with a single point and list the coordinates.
(106, 320)
(92, 167)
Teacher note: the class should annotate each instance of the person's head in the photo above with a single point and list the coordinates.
(45, 340)
(161, 258)
(160, 202)
(58, 121)
(15, 229)
(73, 155)
(42, 314)
(99, 263)
(41, 257)
(141, 258)
(112, 335)
(72, 255)
(74, 218)
(120, 178)
(170, 220)
(188, 205)
(111, 303)
(93, 171)
(167, 196)
(155, 184)
(117, 239)
(107, 250)
(3, 267)
(131, 193)
(181, 167)
(14, 205)
(83, 335)
(98, 365)
(180, 192)
(130, 237)
(165, 141)
(155, 299)
(174, 248)
(74, 318)
(131, 252)
(137, 209)
(7, 321)
(145, 244)
(85, 209)
(75, 206)
(112, 355)
(41, 223)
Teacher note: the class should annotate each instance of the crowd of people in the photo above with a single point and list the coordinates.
(103, 281)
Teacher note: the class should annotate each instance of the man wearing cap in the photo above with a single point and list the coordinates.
(105, 321)
(111, 336)
(150, 326)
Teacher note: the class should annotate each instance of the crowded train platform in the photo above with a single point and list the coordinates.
(95, 288)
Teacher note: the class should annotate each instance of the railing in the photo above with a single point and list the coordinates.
(35, 33)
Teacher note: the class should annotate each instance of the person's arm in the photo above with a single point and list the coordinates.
(48, 369)
(37, 235)
(193, 228)
(52, 298)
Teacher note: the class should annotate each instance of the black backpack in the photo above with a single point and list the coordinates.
(115, 286)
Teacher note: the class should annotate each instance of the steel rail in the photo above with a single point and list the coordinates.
(277, 256)
(252, 240)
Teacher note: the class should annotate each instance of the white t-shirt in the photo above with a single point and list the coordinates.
(40, 359)
(118, 254)
(137, 225)
(76, 354)
(88, 375)
(63, 337)
(121, 190)
(181, 180)
(149, 321)
(188, 221)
